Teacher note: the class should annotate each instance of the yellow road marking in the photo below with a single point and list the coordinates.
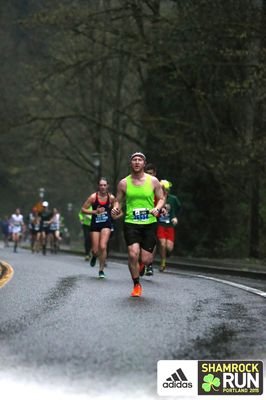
(7, 273)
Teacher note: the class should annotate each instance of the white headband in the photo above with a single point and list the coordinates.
(138, 154)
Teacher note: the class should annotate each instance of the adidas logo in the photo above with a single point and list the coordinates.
(177, 380)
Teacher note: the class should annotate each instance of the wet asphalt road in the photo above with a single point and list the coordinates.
(62, 327)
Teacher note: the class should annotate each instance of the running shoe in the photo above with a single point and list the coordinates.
(137, 290)
(87, 258)
(93, 261)
(162, 268)
(101, 274)
(149, 270)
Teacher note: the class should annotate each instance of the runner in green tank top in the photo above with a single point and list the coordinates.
(138, 191)
(139, 201)
(85, 220)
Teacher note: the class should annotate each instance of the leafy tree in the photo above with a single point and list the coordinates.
(182, 81)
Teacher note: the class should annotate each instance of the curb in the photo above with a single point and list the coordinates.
(208, 265)
(195, 264)
(232, 267)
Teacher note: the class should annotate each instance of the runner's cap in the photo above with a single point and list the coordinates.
(45, 203)
(138, 154)
(166, 184)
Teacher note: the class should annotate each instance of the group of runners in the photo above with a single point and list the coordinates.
(149, 211)
(43, 226)
(150, 214)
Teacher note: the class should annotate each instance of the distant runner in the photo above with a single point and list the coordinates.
(167, 223)
(85, 220)
(17, 226)
(46, 216)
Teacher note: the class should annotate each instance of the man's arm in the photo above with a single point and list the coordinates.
(120, 195)
(115, 216)
(158, 192)
(176, 210)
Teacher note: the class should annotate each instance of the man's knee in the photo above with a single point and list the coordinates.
(133, 255)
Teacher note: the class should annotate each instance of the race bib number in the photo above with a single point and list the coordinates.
(140, 214)
(101, 217)
(165, 219)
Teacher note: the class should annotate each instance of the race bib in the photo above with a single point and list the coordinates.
(101, 217)
(140, 214)
(165, 219)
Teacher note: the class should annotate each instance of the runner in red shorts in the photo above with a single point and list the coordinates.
(167, 222)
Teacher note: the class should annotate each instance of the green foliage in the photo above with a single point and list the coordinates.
(184, 81)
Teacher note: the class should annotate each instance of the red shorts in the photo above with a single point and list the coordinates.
(166, 232)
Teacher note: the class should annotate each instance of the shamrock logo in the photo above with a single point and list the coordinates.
(210, 382)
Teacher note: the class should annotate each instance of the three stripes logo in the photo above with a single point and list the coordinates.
(177, 380)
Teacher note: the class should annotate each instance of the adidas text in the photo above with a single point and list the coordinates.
(177, 385)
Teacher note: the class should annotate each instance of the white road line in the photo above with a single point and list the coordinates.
(237, 285)
(224, 281)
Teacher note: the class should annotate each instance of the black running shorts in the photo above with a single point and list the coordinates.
(98, 227)
(143, 234)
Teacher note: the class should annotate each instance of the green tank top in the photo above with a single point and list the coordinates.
(139, 200)
(85, 219)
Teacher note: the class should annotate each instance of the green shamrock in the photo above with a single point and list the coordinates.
(210, 383)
